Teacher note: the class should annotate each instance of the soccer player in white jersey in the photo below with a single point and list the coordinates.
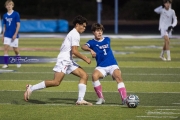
(66, 65)
(10, 37)
(167, 22)
(100, 49)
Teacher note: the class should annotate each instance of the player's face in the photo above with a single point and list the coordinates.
(167, 5)
(9, 6)
(98, 34)
(81, 27)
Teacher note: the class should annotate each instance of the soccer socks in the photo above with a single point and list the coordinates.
(162, 53)
(168, 55)
(38, 86)
(6, 57)
(17, 59)
(122, 90)
(82, 90)
(98, 89)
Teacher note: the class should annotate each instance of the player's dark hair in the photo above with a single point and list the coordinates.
(97, 26)
(8, 1)
(80, 20)
(165, 1)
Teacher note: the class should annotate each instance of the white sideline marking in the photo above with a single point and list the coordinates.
(176, 103)
(101, 81)
(168, 109)
(5, 71)
(158, 116)
(59, 91)
(162, 113)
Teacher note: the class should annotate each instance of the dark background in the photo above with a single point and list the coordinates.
(133, 14)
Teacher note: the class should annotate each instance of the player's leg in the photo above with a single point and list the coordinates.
(7, 42)
(14, 44)
(58, 77)
(163, 33)
(167, 47)
(98, 73)
(60, 70)
(79, 72)
(121, 87)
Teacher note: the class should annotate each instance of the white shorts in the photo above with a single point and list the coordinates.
(107, 70)
(10, 42)
(65, 66)
(164, 32)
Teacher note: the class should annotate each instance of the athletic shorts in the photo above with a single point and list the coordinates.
(164, 32)
(107, 70)
(10, 42)
(65, 66)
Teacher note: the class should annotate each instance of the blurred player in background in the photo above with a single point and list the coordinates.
(10, 37)
(167, 22)
(66, 65)
(100, 49)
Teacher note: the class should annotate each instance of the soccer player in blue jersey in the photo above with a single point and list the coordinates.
(100, 49)
(11, 23)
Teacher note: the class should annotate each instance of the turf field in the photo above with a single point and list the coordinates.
(157, 83)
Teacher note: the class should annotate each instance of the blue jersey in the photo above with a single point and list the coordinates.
(10, 20)
(104, 54)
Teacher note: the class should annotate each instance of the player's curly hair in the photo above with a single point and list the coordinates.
(97, 26)
(165, 1)
(80, 20)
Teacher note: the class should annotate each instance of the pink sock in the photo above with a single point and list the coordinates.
(98, 90)
(123, 93)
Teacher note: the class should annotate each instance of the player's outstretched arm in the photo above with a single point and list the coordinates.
(86, 48)
(158, 9)
(79, 55)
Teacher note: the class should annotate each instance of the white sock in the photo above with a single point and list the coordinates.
(162, 53)
(168, 54)
(96, 83)
(38, 86)
(121, 85)
(82, 90)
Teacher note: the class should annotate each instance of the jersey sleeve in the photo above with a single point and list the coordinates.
(75, 39)
(158, 10)
(17, 17)
(174, 19)
(89, 44)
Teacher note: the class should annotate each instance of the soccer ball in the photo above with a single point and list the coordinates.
(132, 101)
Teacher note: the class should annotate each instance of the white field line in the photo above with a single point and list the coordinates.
(168, 109)
(157, 116)
(60, 91)
(176, 103)
(100, 81)
(142, 74)
(162, 113)
(104, 105)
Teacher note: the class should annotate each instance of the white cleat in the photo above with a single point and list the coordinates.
(169, 59)
(124, 101)
(100, 101)
(163, 58)
(83, 102)
(27, 92)
(18, 65)
(5, 66)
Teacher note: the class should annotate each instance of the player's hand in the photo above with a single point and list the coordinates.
(88, 60)
(170, 28)
(93, 54)
(14, 37)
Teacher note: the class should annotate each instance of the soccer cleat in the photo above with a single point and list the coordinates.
(27, 92)
(124, 101)
(5, 66)
(163, 58)
(100, 101)
(169, 59)
(18, 65)
(83, 102)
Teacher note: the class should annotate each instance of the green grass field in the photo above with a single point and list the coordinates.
(157, 83)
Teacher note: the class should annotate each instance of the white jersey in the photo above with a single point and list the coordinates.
(167, 17)
(72, 39)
